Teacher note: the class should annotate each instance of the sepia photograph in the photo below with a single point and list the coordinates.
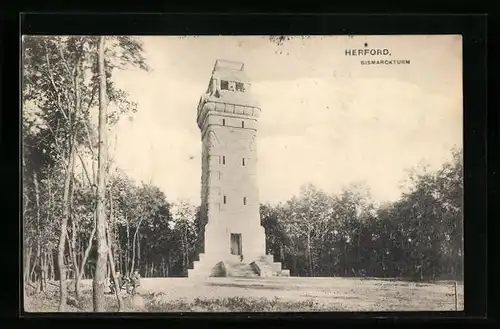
(242, 173)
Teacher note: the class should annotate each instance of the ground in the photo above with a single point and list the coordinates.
(265, 294)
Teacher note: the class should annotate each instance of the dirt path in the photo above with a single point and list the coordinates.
(333, 294)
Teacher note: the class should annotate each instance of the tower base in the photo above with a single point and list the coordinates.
(233, 266)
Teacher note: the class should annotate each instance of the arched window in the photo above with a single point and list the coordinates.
(242, 124)
(244, 200)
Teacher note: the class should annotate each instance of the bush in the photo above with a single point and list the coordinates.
(160, 303)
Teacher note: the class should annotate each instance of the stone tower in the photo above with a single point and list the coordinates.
(227, 117)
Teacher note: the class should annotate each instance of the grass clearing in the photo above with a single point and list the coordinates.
(264, 295)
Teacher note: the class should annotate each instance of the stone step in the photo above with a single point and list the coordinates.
(284, 273)
(266, 258)
(268, 267)
(206, 269)
(234, 267)
(240, 270)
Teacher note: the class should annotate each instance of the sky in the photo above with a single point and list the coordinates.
(326, 119)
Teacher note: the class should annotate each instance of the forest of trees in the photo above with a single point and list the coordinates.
(418, 237)
(77, 202)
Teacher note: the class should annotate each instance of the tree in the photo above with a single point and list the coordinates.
(59, 88)
(417, 237)
(102, 248)
(276, 238)
(184, 215)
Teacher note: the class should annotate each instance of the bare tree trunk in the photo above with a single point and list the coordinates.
(119, 248)
(87, 251)
(183, 254)
(111, 257)
(63, 289)
(52, 267)
(138, 250)
(26, 240)
(114, 232)
(74, 254)
(168, 265)
(27, 262)
(118, 257)
(120, 267)
(133, 246)
(184, 249)
(127, 263)
(49, 264)
(45, 270)
(113, 274)
(359, 262)
(70, 258)
(187, 247)
(80, 258)
(343, 258)
(162, 269)
(32, 271)
(79, 251)
(50, 256)
(38, 233)
(102, 249)
(421, 269)
(133, 254)
(309, 252)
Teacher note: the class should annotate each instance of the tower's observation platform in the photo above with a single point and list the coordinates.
(229, 91)
(228, 120)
